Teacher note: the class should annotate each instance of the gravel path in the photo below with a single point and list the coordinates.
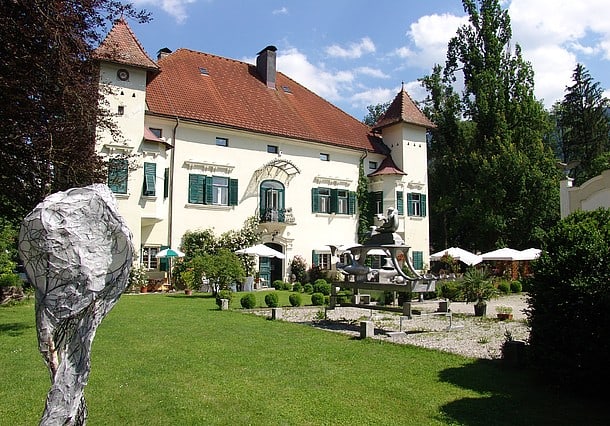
(462, 333)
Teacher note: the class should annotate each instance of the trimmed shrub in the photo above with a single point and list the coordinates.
(10, 280)
(449, 290)
(317, 299)
(248, 301)
(321, 286)
(516, 287)
(298, 287)
(504, 287)
(344, 296)
(224, 294)
(569, 303)
(295, 299)
(308, 288)
(272, 300)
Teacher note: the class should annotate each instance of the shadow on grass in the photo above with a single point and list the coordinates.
(512, 396)
(15, 329)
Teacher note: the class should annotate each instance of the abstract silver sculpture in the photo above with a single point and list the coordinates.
(77, 252)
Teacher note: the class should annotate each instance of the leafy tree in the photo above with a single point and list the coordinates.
(223, 268)
(375, 113)
(8, 253)
(569, 302)
(584, 124)
(50, 104)
(493, 180)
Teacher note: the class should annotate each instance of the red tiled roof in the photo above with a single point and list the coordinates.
(387, 167)
(232, 94)
(403, 109)
(121, 46)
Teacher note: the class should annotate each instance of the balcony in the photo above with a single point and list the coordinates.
(269, 215)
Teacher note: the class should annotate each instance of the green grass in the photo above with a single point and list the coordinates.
(171, 359)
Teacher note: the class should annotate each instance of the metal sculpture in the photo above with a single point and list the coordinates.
(77, 252)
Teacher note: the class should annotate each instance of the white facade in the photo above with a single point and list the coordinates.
(293, 170)
(591, 195)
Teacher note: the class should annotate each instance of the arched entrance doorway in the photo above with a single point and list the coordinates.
(270, 268)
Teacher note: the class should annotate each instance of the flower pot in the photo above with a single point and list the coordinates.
(480, 309)
(144, 289)
(504, 317)
(188, 292)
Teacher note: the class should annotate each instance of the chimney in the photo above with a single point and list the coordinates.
(265, 65)
(163, 52)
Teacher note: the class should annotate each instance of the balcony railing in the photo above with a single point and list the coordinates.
(277, 215)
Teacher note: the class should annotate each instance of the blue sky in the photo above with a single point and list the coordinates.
(356, 53)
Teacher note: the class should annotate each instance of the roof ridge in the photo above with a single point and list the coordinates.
(108, 48)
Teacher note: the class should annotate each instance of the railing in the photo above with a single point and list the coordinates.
(277, 215)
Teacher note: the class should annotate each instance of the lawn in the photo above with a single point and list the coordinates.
(172, 359)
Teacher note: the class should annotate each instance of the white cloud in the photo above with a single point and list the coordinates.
(175, 8)
(371, 72)
(373, 96)
(355, 50)
(281, 11)
(430, 35)
(324, 83)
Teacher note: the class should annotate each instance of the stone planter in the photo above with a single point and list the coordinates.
(480, 309)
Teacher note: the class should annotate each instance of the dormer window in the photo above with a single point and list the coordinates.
(203, 71)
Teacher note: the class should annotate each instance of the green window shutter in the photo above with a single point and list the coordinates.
(376, 203)
(315, 200)
(351, 203)
(117, 175)
(209, 190)
(410, 210)
(196, 188)
(166, 183)
(163, 261)
(422, 207)
(233, 191)
(315, 259)
(400, 204)
(418, 260)
(334, 201)
(150, 174)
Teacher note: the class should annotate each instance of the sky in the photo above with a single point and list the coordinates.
(355, 53)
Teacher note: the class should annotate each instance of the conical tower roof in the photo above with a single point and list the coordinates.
(403, 110)
(122, 47)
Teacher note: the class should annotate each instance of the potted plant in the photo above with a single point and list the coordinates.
(477, 287)
(504, 312)
(188, 278)
(138, 278)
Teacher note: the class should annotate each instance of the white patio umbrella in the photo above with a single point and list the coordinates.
(530, 254)
(169, 254)
(505, 253)
(261, 250)
(458, 254)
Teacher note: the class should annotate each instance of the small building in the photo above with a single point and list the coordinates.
(591, 195)
(212, 141)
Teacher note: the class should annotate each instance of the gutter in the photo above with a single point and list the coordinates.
(170, 185)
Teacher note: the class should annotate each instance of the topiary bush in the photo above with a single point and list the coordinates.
(317, 299)
(248, 301)
(272, 299)
(224, 294)
(504, 287)
(298, 287)
(321, 286)
(308, 288)
(569, 302)
(516, 287)
(295, 299)
(277, 284)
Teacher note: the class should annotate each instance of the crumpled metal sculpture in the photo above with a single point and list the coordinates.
(77, 252)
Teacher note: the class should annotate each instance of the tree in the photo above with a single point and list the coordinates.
(493, 180)
(584, 124)
(375, 113)
(50, 97)
(569, 302)
(223, 268)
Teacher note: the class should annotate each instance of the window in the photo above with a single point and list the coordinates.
(321, 260)
(212, 190)
(400, 204)
(157, 132)
(150, 175)
(326, 200)
(272, 149)
(272, 201)
(418, 260)
(324, 157)
(121, 110)
(376, 201)
(373, 165)
(166, 183)
(222, 142)
(149, 259)
(416, 204)
(117, 175)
